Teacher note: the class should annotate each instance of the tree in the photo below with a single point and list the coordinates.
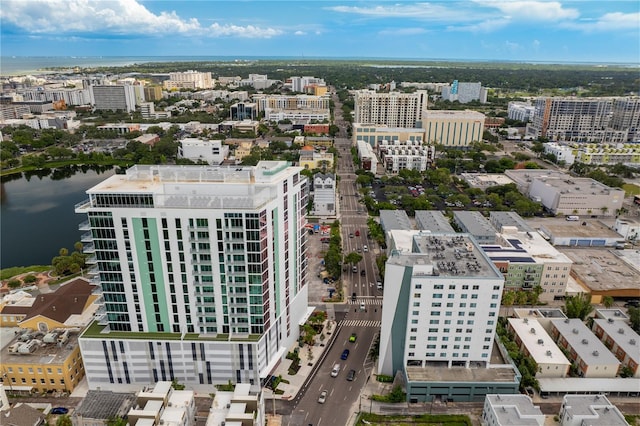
(607, 301)
(634, 318)
(116, 421)
(353, 258)
(30, 279)
(13, 284)
(64, 420)
(578, 306)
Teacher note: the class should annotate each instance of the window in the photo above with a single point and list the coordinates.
(438, 296)
(415, 313)
(416, 295)
(416, 304)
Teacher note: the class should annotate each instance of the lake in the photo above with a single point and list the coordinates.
(37, 216)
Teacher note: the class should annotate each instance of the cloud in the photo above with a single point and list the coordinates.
(531, 10)
(614, 21)
(113, 17)
(421, 11)
(483, 26)
(402, 31)
(299, 33)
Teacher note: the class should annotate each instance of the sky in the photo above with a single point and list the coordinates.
(515, 30)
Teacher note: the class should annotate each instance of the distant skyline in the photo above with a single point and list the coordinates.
(529, 30)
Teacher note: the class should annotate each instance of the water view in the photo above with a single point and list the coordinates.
(37, 215)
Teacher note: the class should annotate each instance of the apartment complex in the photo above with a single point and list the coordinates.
(623, 341)
(189, 80)
(590, 356)
(611, 120)
(374, 134)
(393, 109)
(115, 97)
(162, 405)
(439, 315)
(521, 111)
(464, 92)
(527, 261)
(408, 155)
(294, 107)
(457, 129)
(203, 272)
(305, 84)
(534, 341)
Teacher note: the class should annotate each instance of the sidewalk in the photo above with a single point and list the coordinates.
(309, 358)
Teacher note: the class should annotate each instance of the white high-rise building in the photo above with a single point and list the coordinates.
(464, 92)
(202, 270)
(393, 109)
(521, 111)
(440, 311)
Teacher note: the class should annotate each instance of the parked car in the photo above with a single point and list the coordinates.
(59, 410)
(351, 375)
(323, 397)
(345, 354)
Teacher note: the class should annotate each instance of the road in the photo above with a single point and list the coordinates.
(343, 396)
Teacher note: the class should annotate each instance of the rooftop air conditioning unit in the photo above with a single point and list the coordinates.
(585, 341)
(533, 331)
(595, 353)
(548, 353)
(540, 342)
(575, 331)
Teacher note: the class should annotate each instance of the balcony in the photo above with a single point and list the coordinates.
(88, 248)
(91, 260)
(83, 206)
(84, 226)
(86, 237)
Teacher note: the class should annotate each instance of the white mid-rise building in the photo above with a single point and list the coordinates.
(464, 92)
(202, 270)
(511, 410)
(408, 155)
(115, 97)
(212, 152)
(582, 410)
(521, 111)
(324, 194)
(189, 80)
(393, 109)
(562, 152)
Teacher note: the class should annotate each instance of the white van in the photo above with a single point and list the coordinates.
(573, 218)
(335, 371)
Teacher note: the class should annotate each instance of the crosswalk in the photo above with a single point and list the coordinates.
(366, 301)
(359, 323)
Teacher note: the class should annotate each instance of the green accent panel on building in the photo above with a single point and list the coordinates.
(276, 261)
(457, 391)
(400, 318)
(158, 266)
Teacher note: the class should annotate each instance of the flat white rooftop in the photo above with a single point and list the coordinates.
(540, 345)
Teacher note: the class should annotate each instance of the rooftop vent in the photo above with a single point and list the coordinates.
(540, 342)
(533, 331)
(621, 330)
(595, 353)
(632, 342)
(610, 320)
(575, 331)
(548, 353)
(566, 320)
(585, 341)
(616, 314)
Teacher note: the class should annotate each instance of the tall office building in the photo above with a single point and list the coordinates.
(441, 305)
(202, 270)
(393, 109)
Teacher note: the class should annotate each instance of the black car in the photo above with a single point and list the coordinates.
(59, 410)
(345, 354)
(363, 273)
(351, 375)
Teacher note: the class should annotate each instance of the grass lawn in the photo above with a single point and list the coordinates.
(631, 189)
(408, 420)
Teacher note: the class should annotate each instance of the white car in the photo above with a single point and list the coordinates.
(365, 248)
(323, 397)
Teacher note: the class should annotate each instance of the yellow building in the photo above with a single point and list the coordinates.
(242, 150)
(457, 129)
(14, 308)
(315, 160)
(45, 355)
